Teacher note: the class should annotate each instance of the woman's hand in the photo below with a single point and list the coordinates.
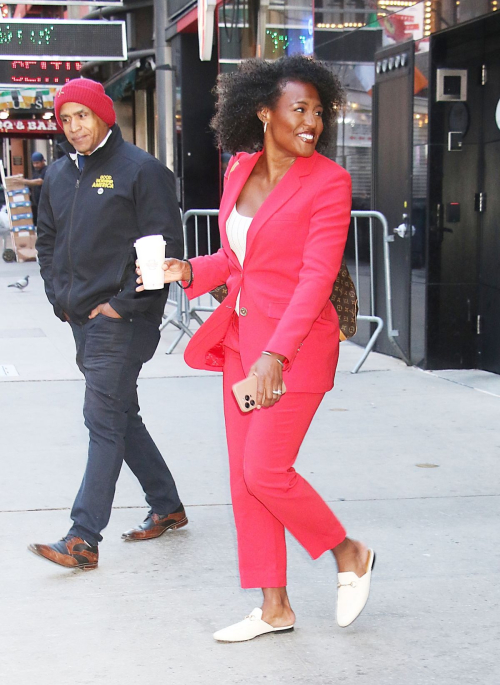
(269, 374)
(174, 270)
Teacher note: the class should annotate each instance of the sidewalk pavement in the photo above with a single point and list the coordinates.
(408, 460)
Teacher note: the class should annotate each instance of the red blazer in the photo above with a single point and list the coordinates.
(294, 248)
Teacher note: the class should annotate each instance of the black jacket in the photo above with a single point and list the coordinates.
(37, 190)
(88, 223)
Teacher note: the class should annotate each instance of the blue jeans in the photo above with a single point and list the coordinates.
(110, 354)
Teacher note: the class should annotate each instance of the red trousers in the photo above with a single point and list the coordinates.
(268, 495)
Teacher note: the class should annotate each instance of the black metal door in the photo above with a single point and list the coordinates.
(455, 179)
(488, 327)
(392, 181)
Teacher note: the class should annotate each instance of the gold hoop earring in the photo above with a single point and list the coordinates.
(265, 127)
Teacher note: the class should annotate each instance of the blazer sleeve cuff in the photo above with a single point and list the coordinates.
(288, 351)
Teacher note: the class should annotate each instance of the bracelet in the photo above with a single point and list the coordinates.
(185, 287)
(270, 355)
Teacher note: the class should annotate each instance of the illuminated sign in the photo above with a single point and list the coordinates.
(31, 126)
(44, 39)
(289, 41)
(44, 73)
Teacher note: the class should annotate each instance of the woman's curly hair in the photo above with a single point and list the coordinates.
(257, 84)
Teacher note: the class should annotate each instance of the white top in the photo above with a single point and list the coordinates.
(236, 229)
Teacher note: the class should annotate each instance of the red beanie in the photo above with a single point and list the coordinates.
(86, 92)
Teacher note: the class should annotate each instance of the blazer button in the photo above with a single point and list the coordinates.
(243, 311)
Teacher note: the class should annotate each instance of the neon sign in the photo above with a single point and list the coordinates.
(34, 73)
(45, 39)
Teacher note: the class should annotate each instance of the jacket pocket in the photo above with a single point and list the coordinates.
(275, 310)
(121, 274)
(114, 319)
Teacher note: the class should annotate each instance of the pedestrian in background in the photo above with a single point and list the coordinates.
(283, 220)
(97, 200)
(35, 183)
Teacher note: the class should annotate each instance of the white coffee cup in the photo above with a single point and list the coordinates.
(151, 255)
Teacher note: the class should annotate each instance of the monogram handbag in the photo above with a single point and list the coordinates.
(343, 298)
(345, 301)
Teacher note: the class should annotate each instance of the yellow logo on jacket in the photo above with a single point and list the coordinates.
(104, 181)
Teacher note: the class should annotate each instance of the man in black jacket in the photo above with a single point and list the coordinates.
(35, 183)
(96, 201)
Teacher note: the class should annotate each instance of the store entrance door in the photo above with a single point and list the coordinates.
(488, 328)
(463, 316)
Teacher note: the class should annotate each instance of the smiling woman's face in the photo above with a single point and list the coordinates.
(295, 124)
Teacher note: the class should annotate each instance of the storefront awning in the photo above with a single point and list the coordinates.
(122, 81)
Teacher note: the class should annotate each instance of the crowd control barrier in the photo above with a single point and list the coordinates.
(197, 232)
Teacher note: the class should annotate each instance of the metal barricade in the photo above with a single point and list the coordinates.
(199, 305)
(185, 311)
(368, 313)
(179, 316)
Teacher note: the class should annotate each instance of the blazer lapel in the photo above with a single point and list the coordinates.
(234, 185)
(280, 194)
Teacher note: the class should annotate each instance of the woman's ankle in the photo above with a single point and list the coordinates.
(276, 609)
(351, 555)
(278, 617)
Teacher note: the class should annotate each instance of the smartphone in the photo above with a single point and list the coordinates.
(245, 392)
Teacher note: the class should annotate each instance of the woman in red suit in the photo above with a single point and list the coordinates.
(283, 218)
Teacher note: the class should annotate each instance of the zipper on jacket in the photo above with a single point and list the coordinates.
(77, 187)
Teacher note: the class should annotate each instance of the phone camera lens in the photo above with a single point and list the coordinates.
(252, 403)
(247, 406)
(247, 397)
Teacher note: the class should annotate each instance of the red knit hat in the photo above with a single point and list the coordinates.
(86, 92)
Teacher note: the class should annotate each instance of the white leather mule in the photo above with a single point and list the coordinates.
(353, 592)
(251, 626)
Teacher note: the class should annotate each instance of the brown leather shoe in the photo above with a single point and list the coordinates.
(71, 552)
(155, 525)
